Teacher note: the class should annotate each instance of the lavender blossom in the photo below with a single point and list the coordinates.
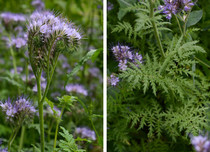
(109, 6)
(19, 70)
(77, 88)
(175, 6)
(3, 150)
(9, 17)
(47, 31)
(38, 4)
(201, 144)
(49, 110)
(19, 111)
(86, 133)
(43, 86)
(113, 80)
(124, 54)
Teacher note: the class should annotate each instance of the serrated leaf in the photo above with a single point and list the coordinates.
(194, 17)
(123, 5)
(90, 55)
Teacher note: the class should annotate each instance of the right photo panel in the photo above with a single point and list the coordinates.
(158, 71)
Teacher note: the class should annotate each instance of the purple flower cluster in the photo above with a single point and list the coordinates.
(123, 54)
(49, 111)
(76, 88)
(48, 24)
(86, 133)
(109, 6)
(175, 6)
(3, 150)
(9, 17)
(38, 4)
(113, 80)
(19, 42)
(20, 110)
(201, 144)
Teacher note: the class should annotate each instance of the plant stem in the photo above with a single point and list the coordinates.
(41, 117)
(21, 138)
(12, 137)
(13, 60)
(208, 66)
(179, 24)
(155, 28)
(57, 125)
(14, 64)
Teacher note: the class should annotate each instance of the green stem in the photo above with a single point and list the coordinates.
(14, 64)
(49, 80)
(208, 66)
(179, 24)
(12, 138)
(13, 60)
(155, 28)
(49, 130)
(57, 125)
(21, 138)
(41, 117)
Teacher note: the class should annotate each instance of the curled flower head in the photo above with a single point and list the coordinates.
(86, 133)
(20, 111)
(49, 35)
(124, 54)
(77, 88)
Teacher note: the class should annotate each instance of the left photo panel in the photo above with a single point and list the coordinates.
(51, 76)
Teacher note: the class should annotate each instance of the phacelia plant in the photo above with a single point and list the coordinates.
(48, 36)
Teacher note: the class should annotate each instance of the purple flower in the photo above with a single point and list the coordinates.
(109, 6)
(19, 42)
(123, 65)
(46, 22)
(18, 111)
(38, 4)
(43, 86)
(124, 54)
(200, 143)
(175, 6)
(77, 88)
(95, 72)
(113, 80)
(58, 112)
(19, 70)
(9, 17)
(3, 150)
(187, 5)
(86, 133)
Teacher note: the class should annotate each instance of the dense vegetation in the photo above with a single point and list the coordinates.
(158, 63)
(51, 75)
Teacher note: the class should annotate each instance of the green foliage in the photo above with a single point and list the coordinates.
(69, 144)
(194, 17)
(143, 23)
(160, 102)
(90, 55)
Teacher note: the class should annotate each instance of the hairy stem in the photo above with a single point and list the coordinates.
(21, 138)
(41, 117)
(14, 64)
(12, 138)
(155, 28)
(179, 24)
(56, 130)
